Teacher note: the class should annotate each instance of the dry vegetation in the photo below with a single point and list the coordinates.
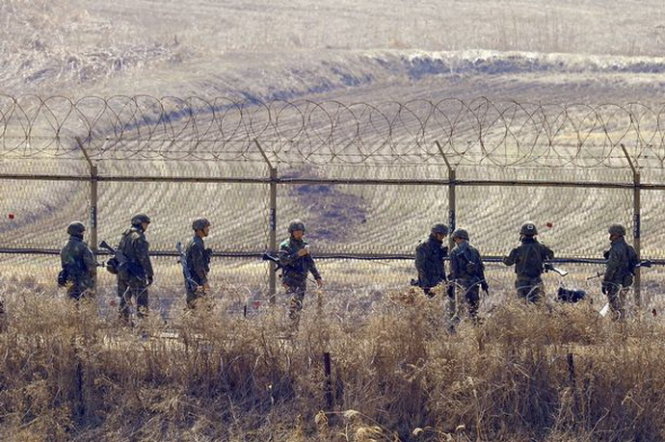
(525, 374)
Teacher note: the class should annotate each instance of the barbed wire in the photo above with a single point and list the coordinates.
(470, 133)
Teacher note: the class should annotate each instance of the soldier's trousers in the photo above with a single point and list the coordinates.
(296, 291)
(77, 291)
(529, 289)
(137, 289)
(472, 297)
(616, 296)
(192, 296)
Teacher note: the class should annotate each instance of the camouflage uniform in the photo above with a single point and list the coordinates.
(621, 259)
(529, 259)
(468, 271)
(198, 263)
(430, 257)
(135, 272)
(294, 272)
(79, 263)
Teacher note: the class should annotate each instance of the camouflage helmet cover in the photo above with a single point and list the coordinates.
(617, 229)
(140, 218)
(200, 224)
(529, 229)
(440, 228)
(76, 228)
(296, 224)
(461, 234)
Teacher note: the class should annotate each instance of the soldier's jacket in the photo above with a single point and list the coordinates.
(79, 262)
(529, 258)
(620, 263)
(465, 264)
(198, 260)
(430, 256)
(294, 267)
(132, 254)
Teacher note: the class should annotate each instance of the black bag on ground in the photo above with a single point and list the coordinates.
(571, 296)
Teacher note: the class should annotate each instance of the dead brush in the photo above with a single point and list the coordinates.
(525, 373)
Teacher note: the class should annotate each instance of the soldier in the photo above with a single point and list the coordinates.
(134, 268)
(467, 270)
(78, 264)
(529, 259)
(621, 262)
(430, 256)
(198, 261)
(296, 263)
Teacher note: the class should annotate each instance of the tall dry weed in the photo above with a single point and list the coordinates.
(526, 373)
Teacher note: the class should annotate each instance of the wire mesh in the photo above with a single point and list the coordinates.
(367, 178)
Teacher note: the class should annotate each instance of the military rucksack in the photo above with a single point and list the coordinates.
(532, 260)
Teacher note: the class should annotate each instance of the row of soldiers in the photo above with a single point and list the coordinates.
(133, 268)
(530, 259)
(134, 271)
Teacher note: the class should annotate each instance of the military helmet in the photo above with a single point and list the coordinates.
(461, 234)
(76, 228)
(140, 218)
(617, 229)
(200, 224)
(440, 228)
(529, 229)
(296, 224)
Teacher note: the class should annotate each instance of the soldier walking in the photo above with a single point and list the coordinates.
(467, 271)
(621, 262)
(297, 262)
(134, 267)
(78, 264)
(198, 262)
(529, 259)
(430, 257)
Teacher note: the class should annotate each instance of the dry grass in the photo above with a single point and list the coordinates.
(526, 374)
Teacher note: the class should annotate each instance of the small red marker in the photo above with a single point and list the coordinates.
(10, 216)
(549, 225)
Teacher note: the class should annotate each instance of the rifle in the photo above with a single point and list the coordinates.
(268, 257)
(646, 264)
(112, 265)
(190, 284)
(549, 267)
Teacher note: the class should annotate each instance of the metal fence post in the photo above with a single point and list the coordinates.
(272, 224)
(94, 180)
(452, 197)
(637, 203)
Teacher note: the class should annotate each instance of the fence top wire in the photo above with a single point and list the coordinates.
(472, 133)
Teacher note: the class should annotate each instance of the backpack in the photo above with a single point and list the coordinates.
(532, 260)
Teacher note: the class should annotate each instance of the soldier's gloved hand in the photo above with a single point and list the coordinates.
(484, 286)
(319, 282)
(150, 280)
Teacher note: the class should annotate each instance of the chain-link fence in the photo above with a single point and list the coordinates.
(368, 180)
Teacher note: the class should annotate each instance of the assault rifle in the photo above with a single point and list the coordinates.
(268, 257)
(190, 284)
(646, 264)
(111, 264)
(549, 267)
